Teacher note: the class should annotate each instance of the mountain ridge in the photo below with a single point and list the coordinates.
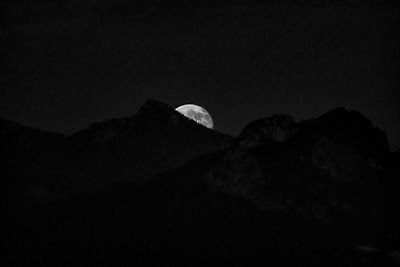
(320, 191)
(156, 138)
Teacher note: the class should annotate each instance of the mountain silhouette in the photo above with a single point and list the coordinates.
(131, 149)
(159, 189)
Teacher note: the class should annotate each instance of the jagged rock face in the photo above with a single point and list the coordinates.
(277, 128)
(339, 160)
(315, 169)
(279, 179)
(238, 172)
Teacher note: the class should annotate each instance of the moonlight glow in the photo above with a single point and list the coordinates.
(197, 113)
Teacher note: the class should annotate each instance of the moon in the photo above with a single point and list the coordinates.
(197, 113)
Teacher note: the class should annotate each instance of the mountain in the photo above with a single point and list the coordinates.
(131, 149)
(321, 191)
(327, 168)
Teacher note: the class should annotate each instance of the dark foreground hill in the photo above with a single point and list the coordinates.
(131, 149)
(322, 191)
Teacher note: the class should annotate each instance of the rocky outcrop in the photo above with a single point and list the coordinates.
(238, 173)
(319, 169)
(277, 128)
(337, 159)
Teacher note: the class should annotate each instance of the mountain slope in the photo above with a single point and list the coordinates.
(131, 149)
(322, 193)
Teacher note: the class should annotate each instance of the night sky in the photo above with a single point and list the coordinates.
(68, 64)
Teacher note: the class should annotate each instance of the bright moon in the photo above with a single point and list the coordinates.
(197, 113)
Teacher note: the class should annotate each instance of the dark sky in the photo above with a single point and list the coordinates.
(68, 64)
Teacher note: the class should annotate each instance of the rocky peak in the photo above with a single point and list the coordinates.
(156, 110)
(152, 111)
(318, 168)
(151, 104)
(131, 149)
(153, 116)
(350, 128)
(277, 128)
